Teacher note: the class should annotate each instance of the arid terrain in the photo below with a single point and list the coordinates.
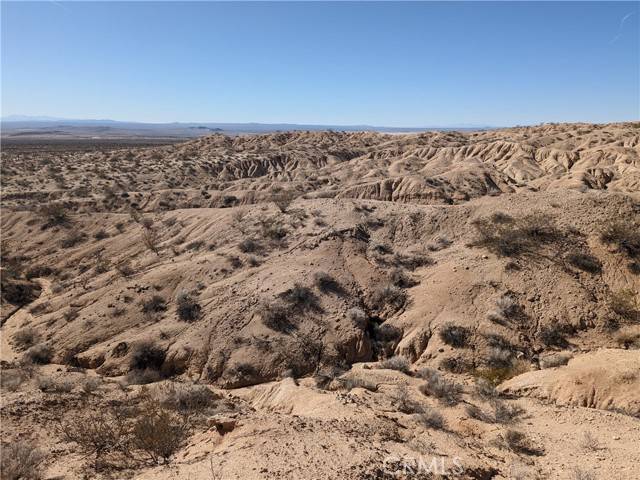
(324, 305)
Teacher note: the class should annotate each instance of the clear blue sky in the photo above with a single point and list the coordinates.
(392, 64)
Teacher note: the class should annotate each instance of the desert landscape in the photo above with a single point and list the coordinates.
(324, 305)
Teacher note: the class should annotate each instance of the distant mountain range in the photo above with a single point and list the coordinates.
(47, 127)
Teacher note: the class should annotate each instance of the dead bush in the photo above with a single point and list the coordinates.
(72, 239)
(358, 317)
(437, 386)
(628, 337)
(98, 433)
(454, 335)
(283, 201)
(188, 308)
(505, 413)
(158, 432)
(151, 240)
(21, 460)
(400, 279)
(519, 443)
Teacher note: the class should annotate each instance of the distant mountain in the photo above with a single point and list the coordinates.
(47, 127)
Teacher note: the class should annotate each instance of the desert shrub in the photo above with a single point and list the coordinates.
(91, 384)
(396, 363)
(21, 460)
(589, 442)
(54, 214)
(496, 376)
(249, 245)
(505, 413)
(475, 412)
(514, 238)
(485, 389)
(498, 357)
(155, 304)
(624, 235)
(125, 269)
(431, 418)
(403, 403)
(579, 474)
(507, 306)
(358, 317)
(39, 271)
(72, 239)
(555, 360)
(283, 201)
(585, 262)
(350, 383)
(151, 240)
(143, 376)
(158, 432)
(625, 304)
(146, 355)
(326, 283)
(301, 297)
(400, 279)
(277, 316)
(411, 260)
(518, 442)
(552, 335)
(439, 243)
(97, 433)
(388, 296)
(103, 265)
(39, 354)
(48, 384)
(187, 398)
(273, 229)
(188, 307)
(454, 335)
(628, 337)
(101, 234)
(437, 386)
(25, 338)
(71, 314)
(11, 380)
(456, 365)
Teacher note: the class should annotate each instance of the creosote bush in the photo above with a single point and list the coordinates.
(159, 433)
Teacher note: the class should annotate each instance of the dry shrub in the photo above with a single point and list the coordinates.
(358, 317)
(431, 418)
(151, 240)
(98, 433)
(301, 298)
(498, 375)
(350, 383)
(145, 363)
(39, 354)
(585, 262)
(400, 279)
(454, 335)
(21, 460)
(626, 304)
(456, 364)
(188, 308)
(624, 235)
(158, 432)
(250, 245)
(507, 237)
(187, 398)
(72, 239)
(628, 337)
(398, 363)
(11, 380)
(326, 283)
(277, 316)
(155, 304)
(284, 201)
(54, 214)
(25, 338)
(388, 296)
(505, 413)
(519, 443)
(555, 359)
(437, 386)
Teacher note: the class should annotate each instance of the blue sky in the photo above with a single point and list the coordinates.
(392, 64)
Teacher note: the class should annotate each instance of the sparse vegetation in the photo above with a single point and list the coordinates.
(396, 363)
(154, 304)
(21, 460)
(388, 296)
(431, 418)
(585, 262)
(25, 338)
(626, 304)
(39, 354)
(326, 283)
(454, 335)
(437, 386)
(188, 307)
